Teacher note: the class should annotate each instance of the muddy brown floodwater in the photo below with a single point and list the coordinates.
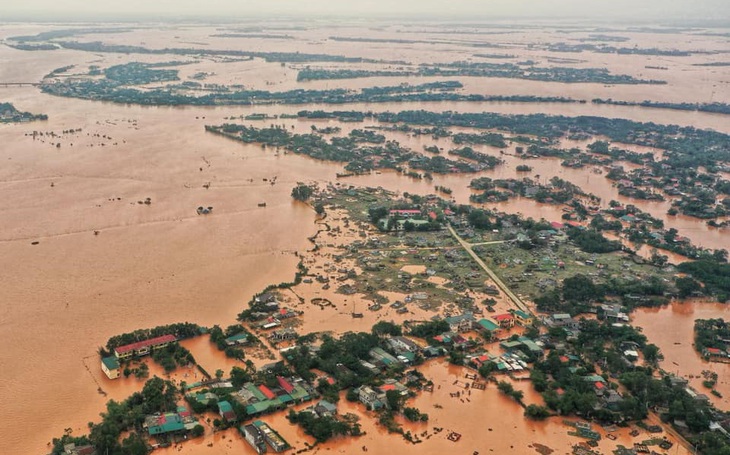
(672, 329)
(106, 263)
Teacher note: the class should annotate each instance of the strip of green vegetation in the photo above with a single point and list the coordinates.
(482, 69)
(9, 114)
(715, 108)
(361, 150)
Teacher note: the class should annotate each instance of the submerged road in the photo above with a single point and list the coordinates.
(500, 284)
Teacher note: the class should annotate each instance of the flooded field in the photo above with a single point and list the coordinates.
(106, 262)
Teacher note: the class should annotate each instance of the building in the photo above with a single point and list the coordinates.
(73, 449)
(240, 338)
(505, 320)
(226, 411)
(461, 323)
(283, 335)
(170, 422)
(371, 397)
(523, 318)
(110, 367)
(409, 213)
(141, 348)
(325, 409)
(277, 443)
(255, 438)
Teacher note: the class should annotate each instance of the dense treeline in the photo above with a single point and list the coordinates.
(715, 108)
(483, 69)
(713, 274)
(157, 395)
(9, 114)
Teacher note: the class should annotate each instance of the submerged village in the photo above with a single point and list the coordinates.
(492, 232)
(408, 281)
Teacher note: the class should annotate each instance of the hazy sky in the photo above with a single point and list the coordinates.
(641, 9)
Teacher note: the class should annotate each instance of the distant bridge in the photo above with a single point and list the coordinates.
(20, 84)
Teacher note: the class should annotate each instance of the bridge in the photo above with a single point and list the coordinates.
(20, 84)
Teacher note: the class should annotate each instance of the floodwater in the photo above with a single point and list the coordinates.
(483, 418)
(107, 263)
(672, 329)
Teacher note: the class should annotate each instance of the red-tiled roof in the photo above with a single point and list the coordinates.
(599, 385)
(267, 392)
(387, 387)
(564, 359)
(557, 225)
(432, 215)
(330, 381)
(713, 350)
(503, 317)
(285, 384)
(146, 343)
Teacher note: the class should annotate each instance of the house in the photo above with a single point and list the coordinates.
(275, 441)
(325, 409)
(505, 320)
(141, 348)
(714, 353)
(110, 367)
(73, 449)
(523, 318)
(237, 339)
(613, 400)
(371, 397)
(558, 320)
(408, 213)
(170, 422)
(255, 438)
(488, 325)
(378, 354)
(226, 411)
(283, 335)
(402, 344)
(461, 323)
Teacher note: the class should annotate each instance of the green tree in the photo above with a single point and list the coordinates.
(302, 192)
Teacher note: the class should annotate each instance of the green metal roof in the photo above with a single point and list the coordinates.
(110, 362)
(488, 325)
(172, 422)
(257, 408)
(234, 338)
(224, 406)
(299, 393)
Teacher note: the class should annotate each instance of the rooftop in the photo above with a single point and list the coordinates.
(146, 343)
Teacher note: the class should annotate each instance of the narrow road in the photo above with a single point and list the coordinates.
(500, 284)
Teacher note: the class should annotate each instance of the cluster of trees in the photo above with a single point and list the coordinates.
(361, 151)
(716, 107)
(592, 241)
(325, 427)
(483, 69)
(171, 356)
(218, 336)
(9, 114)
(713, 273)
(710, 333)
(157, 395)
